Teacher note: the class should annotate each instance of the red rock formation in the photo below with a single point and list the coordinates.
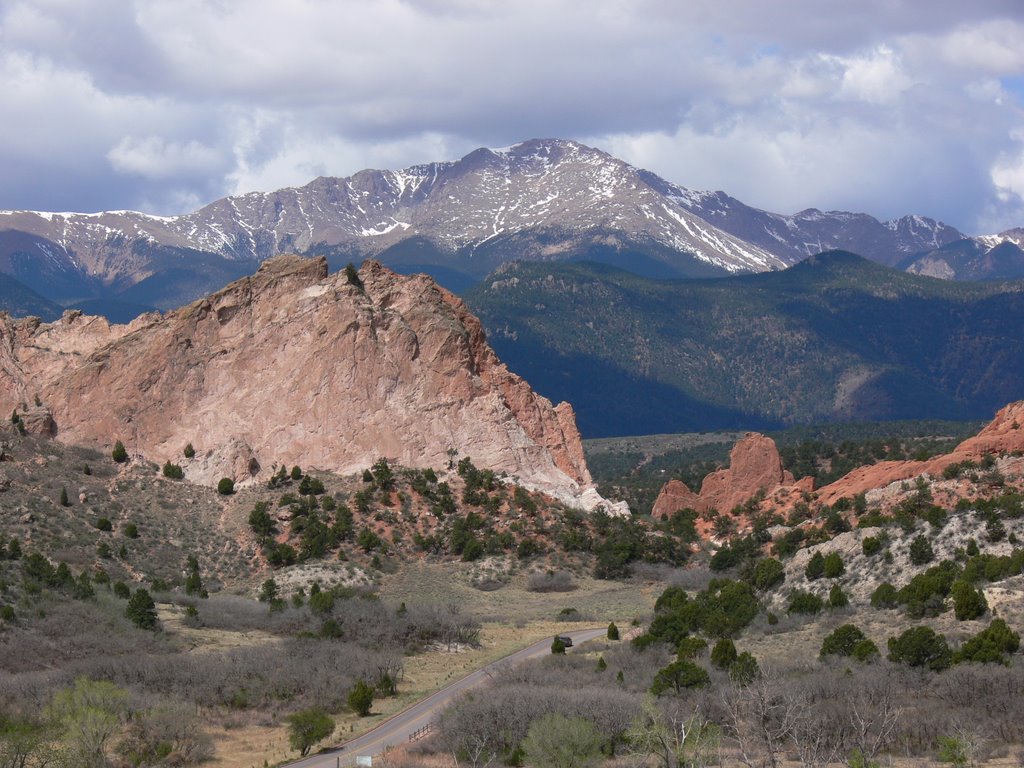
(1005, 433)
(675, 495)
(294, 366)
(754, 465)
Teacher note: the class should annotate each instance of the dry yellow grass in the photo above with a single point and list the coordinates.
(250, 747)
(199, 639)
(515, 618)
(451, 583)
(425, 673)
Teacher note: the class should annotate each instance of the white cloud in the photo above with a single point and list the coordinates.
(156, 158)
(992, 47)
(876, 77)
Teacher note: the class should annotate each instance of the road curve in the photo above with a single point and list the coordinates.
(397, 729)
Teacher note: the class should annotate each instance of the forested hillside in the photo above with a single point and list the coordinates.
(835, 337)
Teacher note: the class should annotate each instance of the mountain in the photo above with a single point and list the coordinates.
(991, 257)
(19, 299)
(294, 367)
(811, 231)
(541, 199)
(835, 337)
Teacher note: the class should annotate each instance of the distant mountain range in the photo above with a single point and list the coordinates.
(835, 338)
(541, 200)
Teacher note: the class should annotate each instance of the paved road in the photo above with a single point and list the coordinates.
(398, 728)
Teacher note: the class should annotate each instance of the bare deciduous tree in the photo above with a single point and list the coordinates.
(760, 718)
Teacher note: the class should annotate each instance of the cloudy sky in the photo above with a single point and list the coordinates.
(883, 106)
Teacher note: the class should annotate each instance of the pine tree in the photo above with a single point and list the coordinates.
(142, 610)
(119, 454)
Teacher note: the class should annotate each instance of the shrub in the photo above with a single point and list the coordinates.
(788, 543)
(815, 566)
(104, 524)
(352, 276)
(367, 540)
(723, 654)
(311, 486)
(360, 698)
(865, 650)
(613, 631)
(121, 590)
(189, 451)
(550, 581)
(678, 676)
(841, 641)
(871, 545)
(557, 646)
(226, 486)
(173, 471)
(745, 669)
(921, 551)
(691, 647)
(130, 530)
(280, 554)
(921, 647)
(959, 750)
(268, 591)
(804, 602)
(837, 598)
(721, 610)
(260, 521)
(308, 727)
(968, 603)
(768, 573)
(834, 567)
(556, 741)
(64, 501)
(991, 645)
(926, 593)
(119, 454)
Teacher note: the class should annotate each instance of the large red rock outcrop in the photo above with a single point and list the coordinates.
(754, 465)
(1005, 433)
(674, 495)
(294, 366)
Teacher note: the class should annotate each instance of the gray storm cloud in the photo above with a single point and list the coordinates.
(875, 106)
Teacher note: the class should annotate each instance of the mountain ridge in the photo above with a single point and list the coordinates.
(541, 199)
(834, 338)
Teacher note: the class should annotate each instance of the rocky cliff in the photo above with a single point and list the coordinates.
(295, 366)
